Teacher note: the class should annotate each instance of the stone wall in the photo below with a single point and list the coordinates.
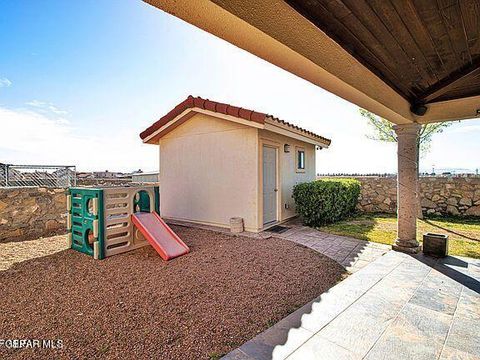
(104, 182)
(30, 213)
(456, 195)
(377, 194)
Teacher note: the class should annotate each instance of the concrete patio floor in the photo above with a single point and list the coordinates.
(396, 307)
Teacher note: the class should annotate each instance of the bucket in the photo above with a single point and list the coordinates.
(236, 225)
(435, 244)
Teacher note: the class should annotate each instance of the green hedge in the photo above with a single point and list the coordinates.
(326, 201)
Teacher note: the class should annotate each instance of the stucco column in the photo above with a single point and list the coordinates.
(407, 188)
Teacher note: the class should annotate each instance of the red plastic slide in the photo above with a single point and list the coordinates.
(159, 235)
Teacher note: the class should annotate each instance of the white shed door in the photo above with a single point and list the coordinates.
(269, 185)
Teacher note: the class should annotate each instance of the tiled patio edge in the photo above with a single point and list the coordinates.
(293, 331)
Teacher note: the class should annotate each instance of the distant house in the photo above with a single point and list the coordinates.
(145, 177)
(104, 174)
(219, 161)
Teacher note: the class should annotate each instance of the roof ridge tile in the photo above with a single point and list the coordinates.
(222, 108)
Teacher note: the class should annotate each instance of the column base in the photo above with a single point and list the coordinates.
(409, 247)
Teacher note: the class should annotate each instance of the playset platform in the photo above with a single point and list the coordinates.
(107, 221)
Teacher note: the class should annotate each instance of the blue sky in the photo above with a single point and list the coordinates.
(80, 79)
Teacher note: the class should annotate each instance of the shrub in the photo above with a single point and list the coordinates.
(326, 201)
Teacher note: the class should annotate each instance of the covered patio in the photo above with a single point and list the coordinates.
(411, 62)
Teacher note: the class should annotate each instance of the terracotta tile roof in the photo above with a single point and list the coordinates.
(312, 134)
(226, 109)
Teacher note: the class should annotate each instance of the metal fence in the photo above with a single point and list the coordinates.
(56, 176)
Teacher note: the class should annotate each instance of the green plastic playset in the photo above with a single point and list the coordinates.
(100, 222)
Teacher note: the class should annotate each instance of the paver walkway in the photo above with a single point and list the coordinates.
(353, 254)
(397, 307)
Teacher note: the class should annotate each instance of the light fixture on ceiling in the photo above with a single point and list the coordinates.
(418, 109)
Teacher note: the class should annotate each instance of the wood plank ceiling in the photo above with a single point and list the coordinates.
(427, 50)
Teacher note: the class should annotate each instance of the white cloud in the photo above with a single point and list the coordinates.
(4, 82)
(30, 137)
(46, 107)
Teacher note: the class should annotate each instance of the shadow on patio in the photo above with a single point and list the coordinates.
(351, 253)
(400, 306)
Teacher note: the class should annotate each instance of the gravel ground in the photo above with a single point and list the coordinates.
(136, 306)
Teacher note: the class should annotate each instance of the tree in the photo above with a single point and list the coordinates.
(383, 131)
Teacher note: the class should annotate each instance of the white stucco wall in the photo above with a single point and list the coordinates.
(208, 172)
(288, 174)
(211, 170)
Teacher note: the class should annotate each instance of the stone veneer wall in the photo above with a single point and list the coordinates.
(104, 182)
(30, 213)
(456, 195)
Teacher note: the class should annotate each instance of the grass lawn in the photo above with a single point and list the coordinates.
(464, 234)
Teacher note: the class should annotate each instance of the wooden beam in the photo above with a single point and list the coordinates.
(451, 110)
(375, 61)
(449, 83)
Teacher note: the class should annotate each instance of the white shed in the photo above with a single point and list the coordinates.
(219, 161)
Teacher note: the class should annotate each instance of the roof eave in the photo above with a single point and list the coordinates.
(153, 137)
(293, 131)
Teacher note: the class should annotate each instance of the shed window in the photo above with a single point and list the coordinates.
(300, 159)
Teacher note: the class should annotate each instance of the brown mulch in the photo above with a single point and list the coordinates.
(136, 306)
